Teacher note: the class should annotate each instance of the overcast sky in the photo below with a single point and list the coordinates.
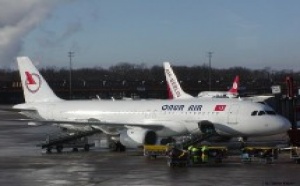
(248, 33)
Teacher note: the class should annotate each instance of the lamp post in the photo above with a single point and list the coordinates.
(70, 54)
(209, 71)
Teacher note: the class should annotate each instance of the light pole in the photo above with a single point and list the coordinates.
(70, 54)
(209, 71)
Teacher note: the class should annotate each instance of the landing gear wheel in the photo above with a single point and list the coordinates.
(113, 146)
(242, 140)
(48, 150)
(122, 148)
(75, 149)
(117, 147)
(86, 147)
(59, 148)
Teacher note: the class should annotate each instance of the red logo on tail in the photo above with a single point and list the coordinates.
(235, 85)
(220, 107)
(170, 95)
(29, 78)
(32, 82)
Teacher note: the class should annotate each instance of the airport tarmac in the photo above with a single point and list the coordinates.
(23, 163)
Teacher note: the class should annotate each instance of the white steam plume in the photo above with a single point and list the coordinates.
(17, 19)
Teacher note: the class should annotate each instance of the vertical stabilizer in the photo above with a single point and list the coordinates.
(173, 84)
(35, 88)
(235, 86)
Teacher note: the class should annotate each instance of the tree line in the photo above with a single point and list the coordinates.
(132, 72)
(194, 76)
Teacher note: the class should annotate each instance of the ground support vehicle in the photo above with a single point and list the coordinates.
(177, 157)
(67, 140)
(260, 154)
(196, 156)
(155, 150)
(207, 155)
(294, 152)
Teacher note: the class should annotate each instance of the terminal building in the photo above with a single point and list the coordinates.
(11, 91)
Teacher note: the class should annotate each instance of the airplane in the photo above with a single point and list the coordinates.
(176, 91)
(231, 93)
(137, 123)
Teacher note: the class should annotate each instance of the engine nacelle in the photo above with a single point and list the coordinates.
(136, 136)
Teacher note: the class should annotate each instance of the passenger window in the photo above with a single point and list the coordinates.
(261, 113)
(254, 113)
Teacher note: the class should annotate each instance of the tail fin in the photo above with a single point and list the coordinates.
(35, 88)
(173, 85)
(235, 86)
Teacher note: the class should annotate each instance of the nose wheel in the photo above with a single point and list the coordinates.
(243, 141)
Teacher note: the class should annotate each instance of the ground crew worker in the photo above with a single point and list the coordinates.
(204, 155)
(264, 153)
(195, 155)
(190, 148)
(245, 155)
(190, 158)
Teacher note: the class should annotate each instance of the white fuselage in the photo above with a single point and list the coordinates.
(177, 117)
(216, 94)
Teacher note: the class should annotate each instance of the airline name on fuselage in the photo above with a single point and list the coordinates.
(181, 107)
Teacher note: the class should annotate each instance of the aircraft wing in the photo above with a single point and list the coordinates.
(6, 114)
(96, 122)
(38, 121)
(17, 110)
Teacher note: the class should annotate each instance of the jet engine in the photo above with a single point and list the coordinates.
(136, 136)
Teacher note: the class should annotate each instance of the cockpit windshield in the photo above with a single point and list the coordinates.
(254, 113)
(263, 112)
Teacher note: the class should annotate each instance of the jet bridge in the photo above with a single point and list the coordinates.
(68, 140)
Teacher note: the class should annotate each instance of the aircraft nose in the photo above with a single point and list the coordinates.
(285, 124)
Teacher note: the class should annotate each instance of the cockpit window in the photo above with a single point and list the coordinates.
(254, 113)
(263, 112)
(270, 112)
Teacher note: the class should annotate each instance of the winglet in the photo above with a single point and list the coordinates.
(173, 84)
(35, 88)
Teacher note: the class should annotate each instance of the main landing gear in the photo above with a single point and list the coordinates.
(116, 146)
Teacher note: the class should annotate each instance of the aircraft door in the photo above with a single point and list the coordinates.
(232, 114)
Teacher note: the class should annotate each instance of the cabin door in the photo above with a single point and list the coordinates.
(232, 114)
